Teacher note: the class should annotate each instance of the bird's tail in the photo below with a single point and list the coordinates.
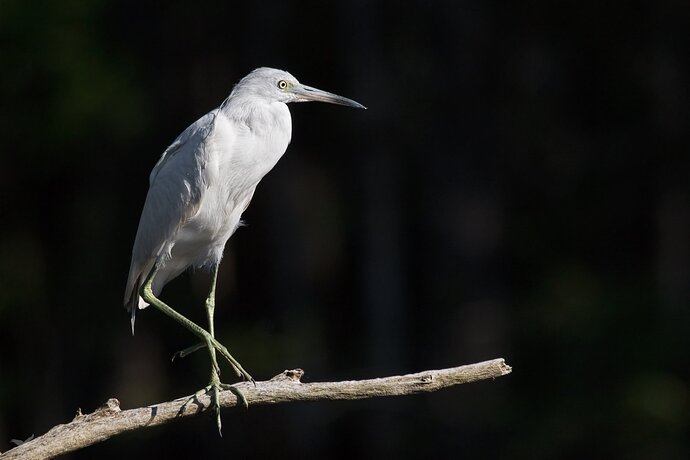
(133, 302)
(133, 311)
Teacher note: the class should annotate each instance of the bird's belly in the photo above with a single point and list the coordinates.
(200, 241)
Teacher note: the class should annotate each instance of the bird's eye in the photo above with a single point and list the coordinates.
(282, 84)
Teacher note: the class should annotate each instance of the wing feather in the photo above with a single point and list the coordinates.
(176, 185)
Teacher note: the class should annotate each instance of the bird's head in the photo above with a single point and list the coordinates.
(280, 86)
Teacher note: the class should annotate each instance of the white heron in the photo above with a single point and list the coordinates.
(199, 189)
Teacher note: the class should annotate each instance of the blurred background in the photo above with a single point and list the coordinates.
(518, 188)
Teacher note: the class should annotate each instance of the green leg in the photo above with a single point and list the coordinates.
(211, 307)
(215, 370)
(207, 338)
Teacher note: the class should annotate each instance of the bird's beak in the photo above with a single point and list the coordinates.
(306, 93)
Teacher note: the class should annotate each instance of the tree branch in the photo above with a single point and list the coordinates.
(109, 420)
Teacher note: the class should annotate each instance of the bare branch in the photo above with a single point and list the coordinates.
(109, 420)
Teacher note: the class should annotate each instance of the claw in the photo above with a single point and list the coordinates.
(215, 404)
(241, 398)
(194, 398)
(214, 388)
(239, 370)
(188, 351)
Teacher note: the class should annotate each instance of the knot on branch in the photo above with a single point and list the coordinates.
(428, 378)
(111, 406)
(293, 375)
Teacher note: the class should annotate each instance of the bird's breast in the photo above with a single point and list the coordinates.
(248, 149)
(238, 155)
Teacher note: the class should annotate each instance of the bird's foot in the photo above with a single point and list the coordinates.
(211, 341)
(214, 388)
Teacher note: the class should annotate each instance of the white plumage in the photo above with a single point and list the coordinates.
(205, 180)
(198, 191)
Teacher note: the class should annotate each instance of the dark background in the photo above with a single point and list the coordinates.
(518, 188)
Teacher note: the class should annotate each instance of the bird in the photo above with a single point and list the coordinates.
(198, 190)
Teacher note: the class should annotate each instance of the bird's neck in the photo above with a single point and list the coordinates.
(256, 114)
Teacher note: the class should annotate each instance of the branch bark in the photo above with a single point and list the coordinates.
(109, 420)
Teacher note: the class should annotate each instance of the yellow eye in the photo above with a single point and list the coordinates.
(282, 84)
